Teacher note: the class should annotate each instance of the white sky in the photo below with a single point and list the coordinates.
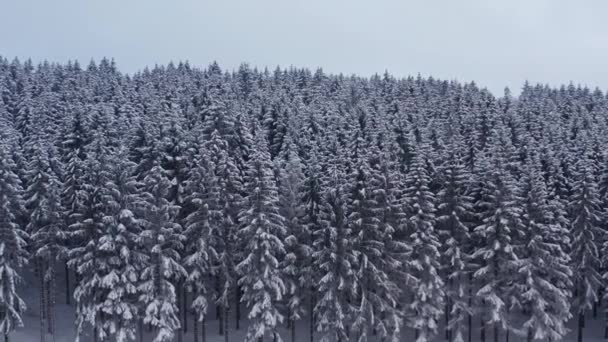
(496, 43)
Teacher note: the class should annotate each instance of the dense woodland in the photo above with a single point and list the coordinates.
(369, 208)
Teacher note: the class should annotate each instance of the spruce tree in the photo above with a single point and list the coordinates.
(13, 253)
(162, 239)
(427, 293)
(263, 231)
(544, 267)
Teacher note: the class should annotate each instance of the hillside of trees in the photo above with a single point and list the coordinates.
(369, 208)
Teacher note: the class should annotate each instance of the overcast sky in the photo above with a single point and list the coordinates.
(496, 43)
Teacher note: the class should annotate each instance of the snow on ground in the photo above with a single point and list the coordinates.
(66, 331)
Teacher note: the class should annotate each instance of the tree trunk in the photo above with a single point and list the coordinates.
(180, 307)
(185, 310)
(312, 315)
(50, 303)
(67, 284)
(40, 267)
(293, 331)
(219, 308)
(470, 301)
(581, 319)
(140, 323)
(195, 330)
(529, 335)
(482, 331)
(238, 308)
(6, 338)
(204, 330)
(496, 332)
(226, 320)
(447, 319)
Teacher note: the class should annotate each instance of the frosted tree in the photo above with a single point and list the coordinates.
(333, 257)
(223, 191)
(108, 289)
(295, 265)
(263, 231)
(427, 293)
(13, 254)
(499, 211)
(46, 227)
(201, 234)
(73, 152)
(162, 239)
(544, 267)
(454, 214)
(587, 237)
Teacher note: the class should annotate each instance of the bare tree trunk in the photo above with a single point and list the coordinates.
(40, 271)
(293, 331)
(226, 320)
(180, 307)
(470, 301)
(67, 284)
(140, 323)
(185, 310)
(195, 330)
(312, 315)
(482, 331)
(218, 307)
(204, 330)
(238, 307)
(581, 325)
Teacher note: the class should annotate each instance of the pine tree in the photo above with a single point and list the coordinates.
(298, 250)
(263, 231)
(333, 256)
(107, 292)
(427, 294)
(201, 234)
(162, 239)
(13, 254)
(544, 266)
(499, 211)
(45, 227)
(454, 212)
(587, 237)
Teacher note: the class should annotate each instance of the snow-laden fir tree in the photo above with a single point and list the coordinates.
(87, 228)
(298, 250)
(332, 256)
(224, 199)
(376, 294)
(587, 239)
(161, 239)
(201, 234)
(454, 212)
(73, 155)
(427, 293)
(45, 226)
(499, 211)
(545, 287)
(263, 232)
(13, 254)
(388, 210)
(108, 292)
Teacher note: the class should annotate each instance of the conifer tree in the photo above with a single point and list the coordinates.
(333, 255)
(544, 266)
(162, 239)
(263, 231)
(427, 293)
(13, 253)
(587, 238)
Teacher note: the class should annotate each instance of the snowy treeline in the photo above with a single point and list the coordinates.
(366, 207)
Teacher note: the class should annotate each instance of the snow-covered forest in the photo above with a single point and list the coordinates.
(178, 199)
